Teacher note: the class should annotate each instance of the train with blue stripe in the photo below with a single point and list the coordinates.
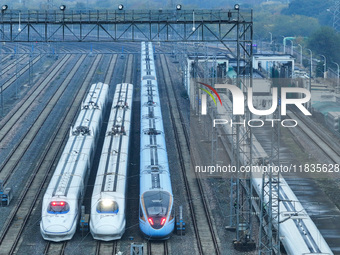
(108, 202)
(64, 195)
(156, 201)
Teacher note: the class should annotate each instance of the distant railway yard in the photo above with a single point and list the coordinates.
(42, 94)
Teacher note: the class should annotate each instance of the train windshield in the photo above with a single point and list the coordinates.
(58, 207)
(107, 206)
(156, 203)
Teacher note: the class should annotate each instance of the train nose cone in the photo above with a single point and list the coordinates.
(56, 229)
(107, 229)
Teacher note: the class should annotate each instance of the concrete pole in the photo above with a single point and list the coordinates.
(324, 67)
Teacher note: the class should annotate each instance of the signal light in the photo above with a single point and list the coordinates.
(4, 7)
(163, 221)
(151, 221)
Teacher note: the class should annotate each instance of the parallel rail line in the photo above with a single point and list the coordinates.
(317, 137)
(14, 226)
(206, 242)
(158, 248)
(14, 157)
(21, 108)
(107, 248)
(55, 248)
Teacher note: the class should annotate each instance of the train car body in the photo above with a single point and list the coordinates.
(332, 120)
(156, 220)
(64, 195)
(108, 199)
(298, 233)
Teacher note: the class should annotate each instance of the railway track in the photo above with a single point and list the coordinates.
(317, 136)
(157, 248)
(14, 157)
(100, 247)
(8, 56)
(128, 77)
(11, 64)
(207, 241)
(14, 226)
(22, 107)
(55, 248)
(106, 248)
(14, 77)
(107, 79)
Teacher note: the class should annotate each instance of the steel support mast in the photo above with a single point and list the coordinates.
(241, 196)
(269, 230)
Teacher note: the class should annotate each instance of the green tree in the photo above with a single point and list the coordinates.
(80, 6)
(326, 41)
(283, 25)
(311, 8)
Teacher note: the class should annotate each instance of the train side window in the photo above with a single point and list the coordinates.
(140, 212)
(107, 206)
(58, 207)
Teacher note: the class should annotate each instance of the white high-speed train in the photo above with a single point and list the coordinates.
(298, 233)
(64, 195)
(108, 199)
(156, 219)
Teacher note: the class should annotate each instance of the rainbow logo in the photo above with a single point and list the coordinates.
(204, 97)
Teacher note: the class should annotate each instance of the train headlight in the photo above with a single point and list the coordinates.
(151, 221)
(107, 202)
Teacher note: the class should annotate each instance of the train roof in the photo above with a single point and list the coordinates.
(69, 174)
(112, 169)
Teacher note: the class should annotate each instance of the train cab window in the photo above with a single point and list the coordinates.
(107, 206)
(58, 207)
(156, 203)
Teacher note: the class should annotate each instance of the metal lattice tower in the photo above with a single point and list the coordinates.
(269, 232)
(49, 4)
(242, 145)
(122, 26)
(336, 15)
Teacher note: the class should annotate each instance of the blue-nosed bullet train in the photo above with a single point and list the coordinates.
(108, 199)
(64, 195)
(156, 202)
